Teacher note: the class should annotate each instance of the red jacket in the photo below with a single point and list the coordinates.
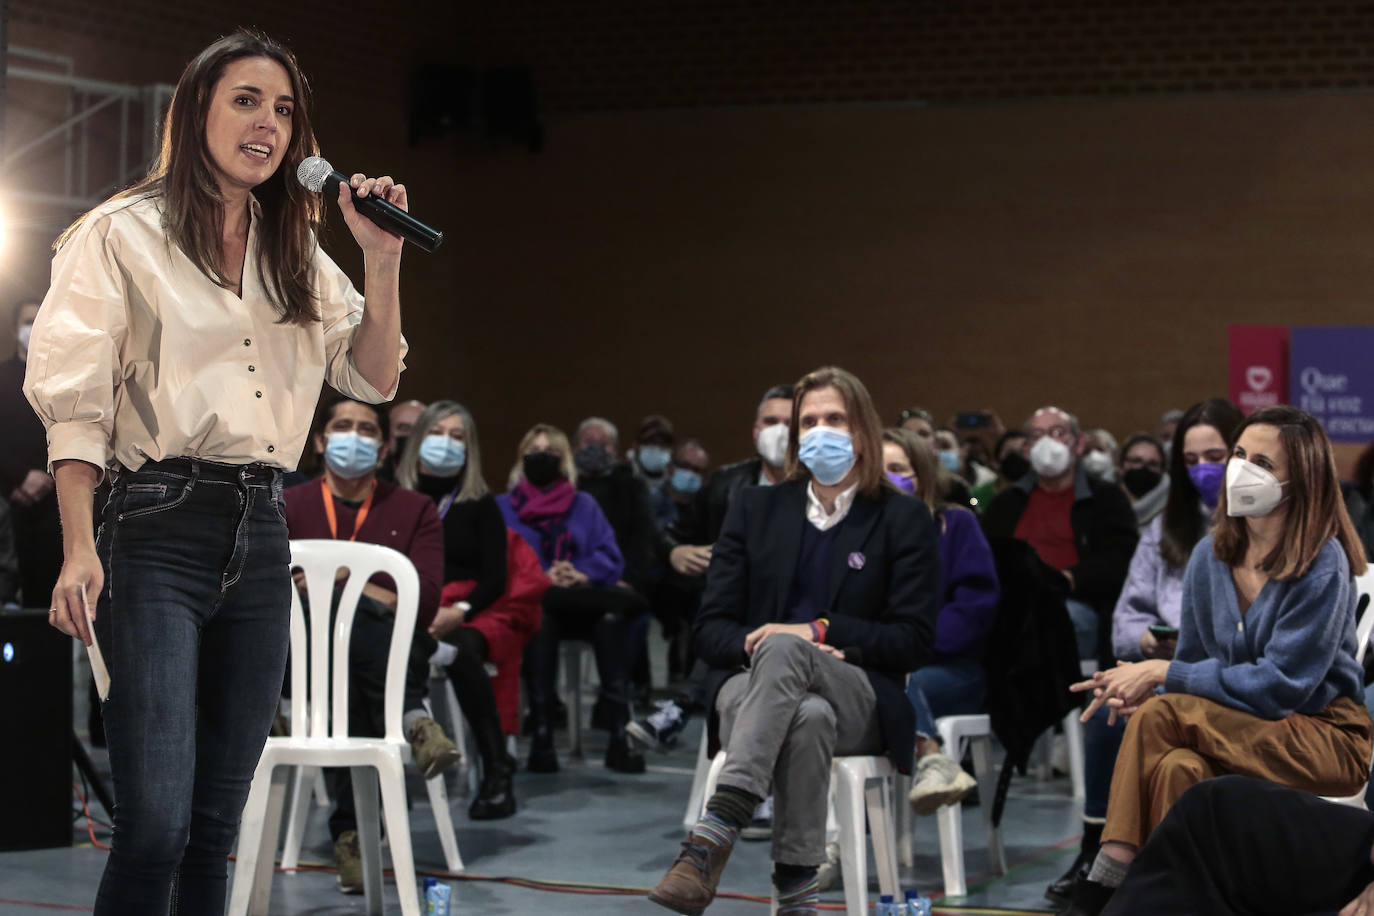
(398, 518)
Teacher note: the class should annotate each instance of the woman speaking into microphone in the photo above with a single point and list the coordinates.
(182, 344)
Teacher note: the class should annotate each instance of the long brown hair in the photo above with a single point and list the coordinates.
(865, 428)
(923, 462)
(183, 177)
(1316, 511)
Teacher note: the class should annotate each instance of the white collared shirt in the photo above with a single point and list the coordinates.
(815, 511)
(136, 355)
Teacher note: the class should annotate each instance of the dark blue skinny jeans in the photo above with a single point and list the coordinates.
(194, 624)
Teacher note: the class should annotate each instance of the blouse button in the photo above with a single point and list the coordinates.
(1240, 626)
(252, 368)
(271, 449)
(247, 342)
(257, 394)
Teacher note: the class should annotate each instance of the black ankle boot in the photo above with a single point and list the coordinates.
(496, 798)
(543, 758)
(1089, 899)
(1062, 889)
(621, 757)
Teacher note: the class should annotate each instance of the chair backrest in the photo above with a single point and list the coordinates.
(1364, 615)
(319, 560)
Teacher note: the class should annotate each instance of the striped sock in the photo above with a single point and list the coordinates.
(716, 831)
(799, 893)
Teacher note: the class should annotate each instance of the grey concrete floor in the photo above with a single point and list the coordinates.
(587, 824)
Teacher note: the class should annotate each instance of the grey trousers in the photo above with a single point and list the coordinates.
(781, 722)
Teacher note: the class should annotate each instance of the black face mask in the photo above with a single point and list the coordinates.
(398, 445)
(543, 468)
(1140, 481)
(593, 460)
(1014, 466)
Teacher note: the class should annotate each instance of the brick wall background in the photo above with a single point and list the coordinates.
(979, 204)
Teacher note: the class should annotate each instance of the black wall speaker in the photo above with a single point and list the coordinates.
(36, 731)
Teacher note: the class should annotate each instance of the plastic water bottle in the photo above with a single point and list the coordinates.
(916, 905)
(886, 907)
(437, 898)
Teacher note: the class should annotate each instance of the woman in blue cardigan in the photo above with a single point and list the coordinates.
(1264, 681)
(954, 681)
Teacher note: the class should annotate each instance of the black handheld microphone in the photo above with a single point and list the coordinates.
(315, 173)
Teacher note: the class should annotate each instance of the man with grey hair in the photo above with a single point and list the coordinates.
(624, 499)
(1084, 529)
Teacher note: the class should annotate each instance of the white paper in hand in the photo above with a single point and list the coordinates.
(98, 669)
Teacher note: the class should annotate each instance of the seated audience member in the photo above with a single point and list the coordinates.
(624, 499)
(1235, 846)
(954, 489)
(978, 468)
(1264, 681)
(1011, 458)
(1143, 477)
(821, 595)
(403, 417)
(349, 503)
(1085, 530)
(689, 543)
(675, 597)
(1153, 598)
(577, 548)
(1358, 493)
(686, 476)
(651, 459)
(24, 478)
(443, 461)
(921, 422)
(953, 682)
(1099, 456)
(1168, 422)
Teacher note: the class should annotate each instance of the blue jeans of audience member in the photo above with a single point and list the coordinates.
(1100, 745)
(1084, 627)
(193, 623)
(951, 688)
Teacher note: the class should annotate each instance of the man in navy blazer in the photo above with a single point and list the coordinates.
(821, 595)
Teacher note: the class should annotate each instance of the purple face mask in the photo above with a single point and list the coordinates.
(905, 484)
(1208, 479)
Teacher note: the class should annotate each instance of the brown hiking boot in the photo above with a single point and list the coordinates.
(349, 862)
(432, 749)
(690, 885)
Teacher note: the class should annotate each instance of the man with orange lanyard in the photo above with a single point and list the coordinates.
(350, 503)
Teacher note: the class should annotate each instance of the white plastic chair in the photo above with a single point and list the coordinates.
(973, 732)
(697, 799)
(861, 789)
(1364, 588)
(575, 669)
(328, 742)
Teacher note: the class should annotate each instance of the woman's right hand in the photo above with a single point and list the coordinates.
(78, 588)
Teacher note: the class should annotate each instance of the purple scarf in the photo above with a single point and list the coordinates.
(546, 511)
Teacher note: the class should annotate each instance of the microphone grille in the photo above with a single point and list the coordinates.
(312, 173)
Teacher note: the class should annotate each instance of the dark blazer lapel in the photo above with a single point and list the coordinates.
(849, 542)
(785, 532)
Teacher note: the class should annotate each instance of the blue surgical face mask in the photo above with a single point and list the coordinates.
(949, 460)
(686, 481)
(443, 455)
(828, 453)
(350, 455)
(654, 458)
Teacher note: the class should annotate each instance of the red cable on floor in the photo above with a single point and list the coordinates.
(90, 824)
(48, 906)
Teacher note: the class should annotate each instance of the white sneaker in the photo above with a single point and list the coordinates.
(939, 781)
(829, 874)
(760, 826)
